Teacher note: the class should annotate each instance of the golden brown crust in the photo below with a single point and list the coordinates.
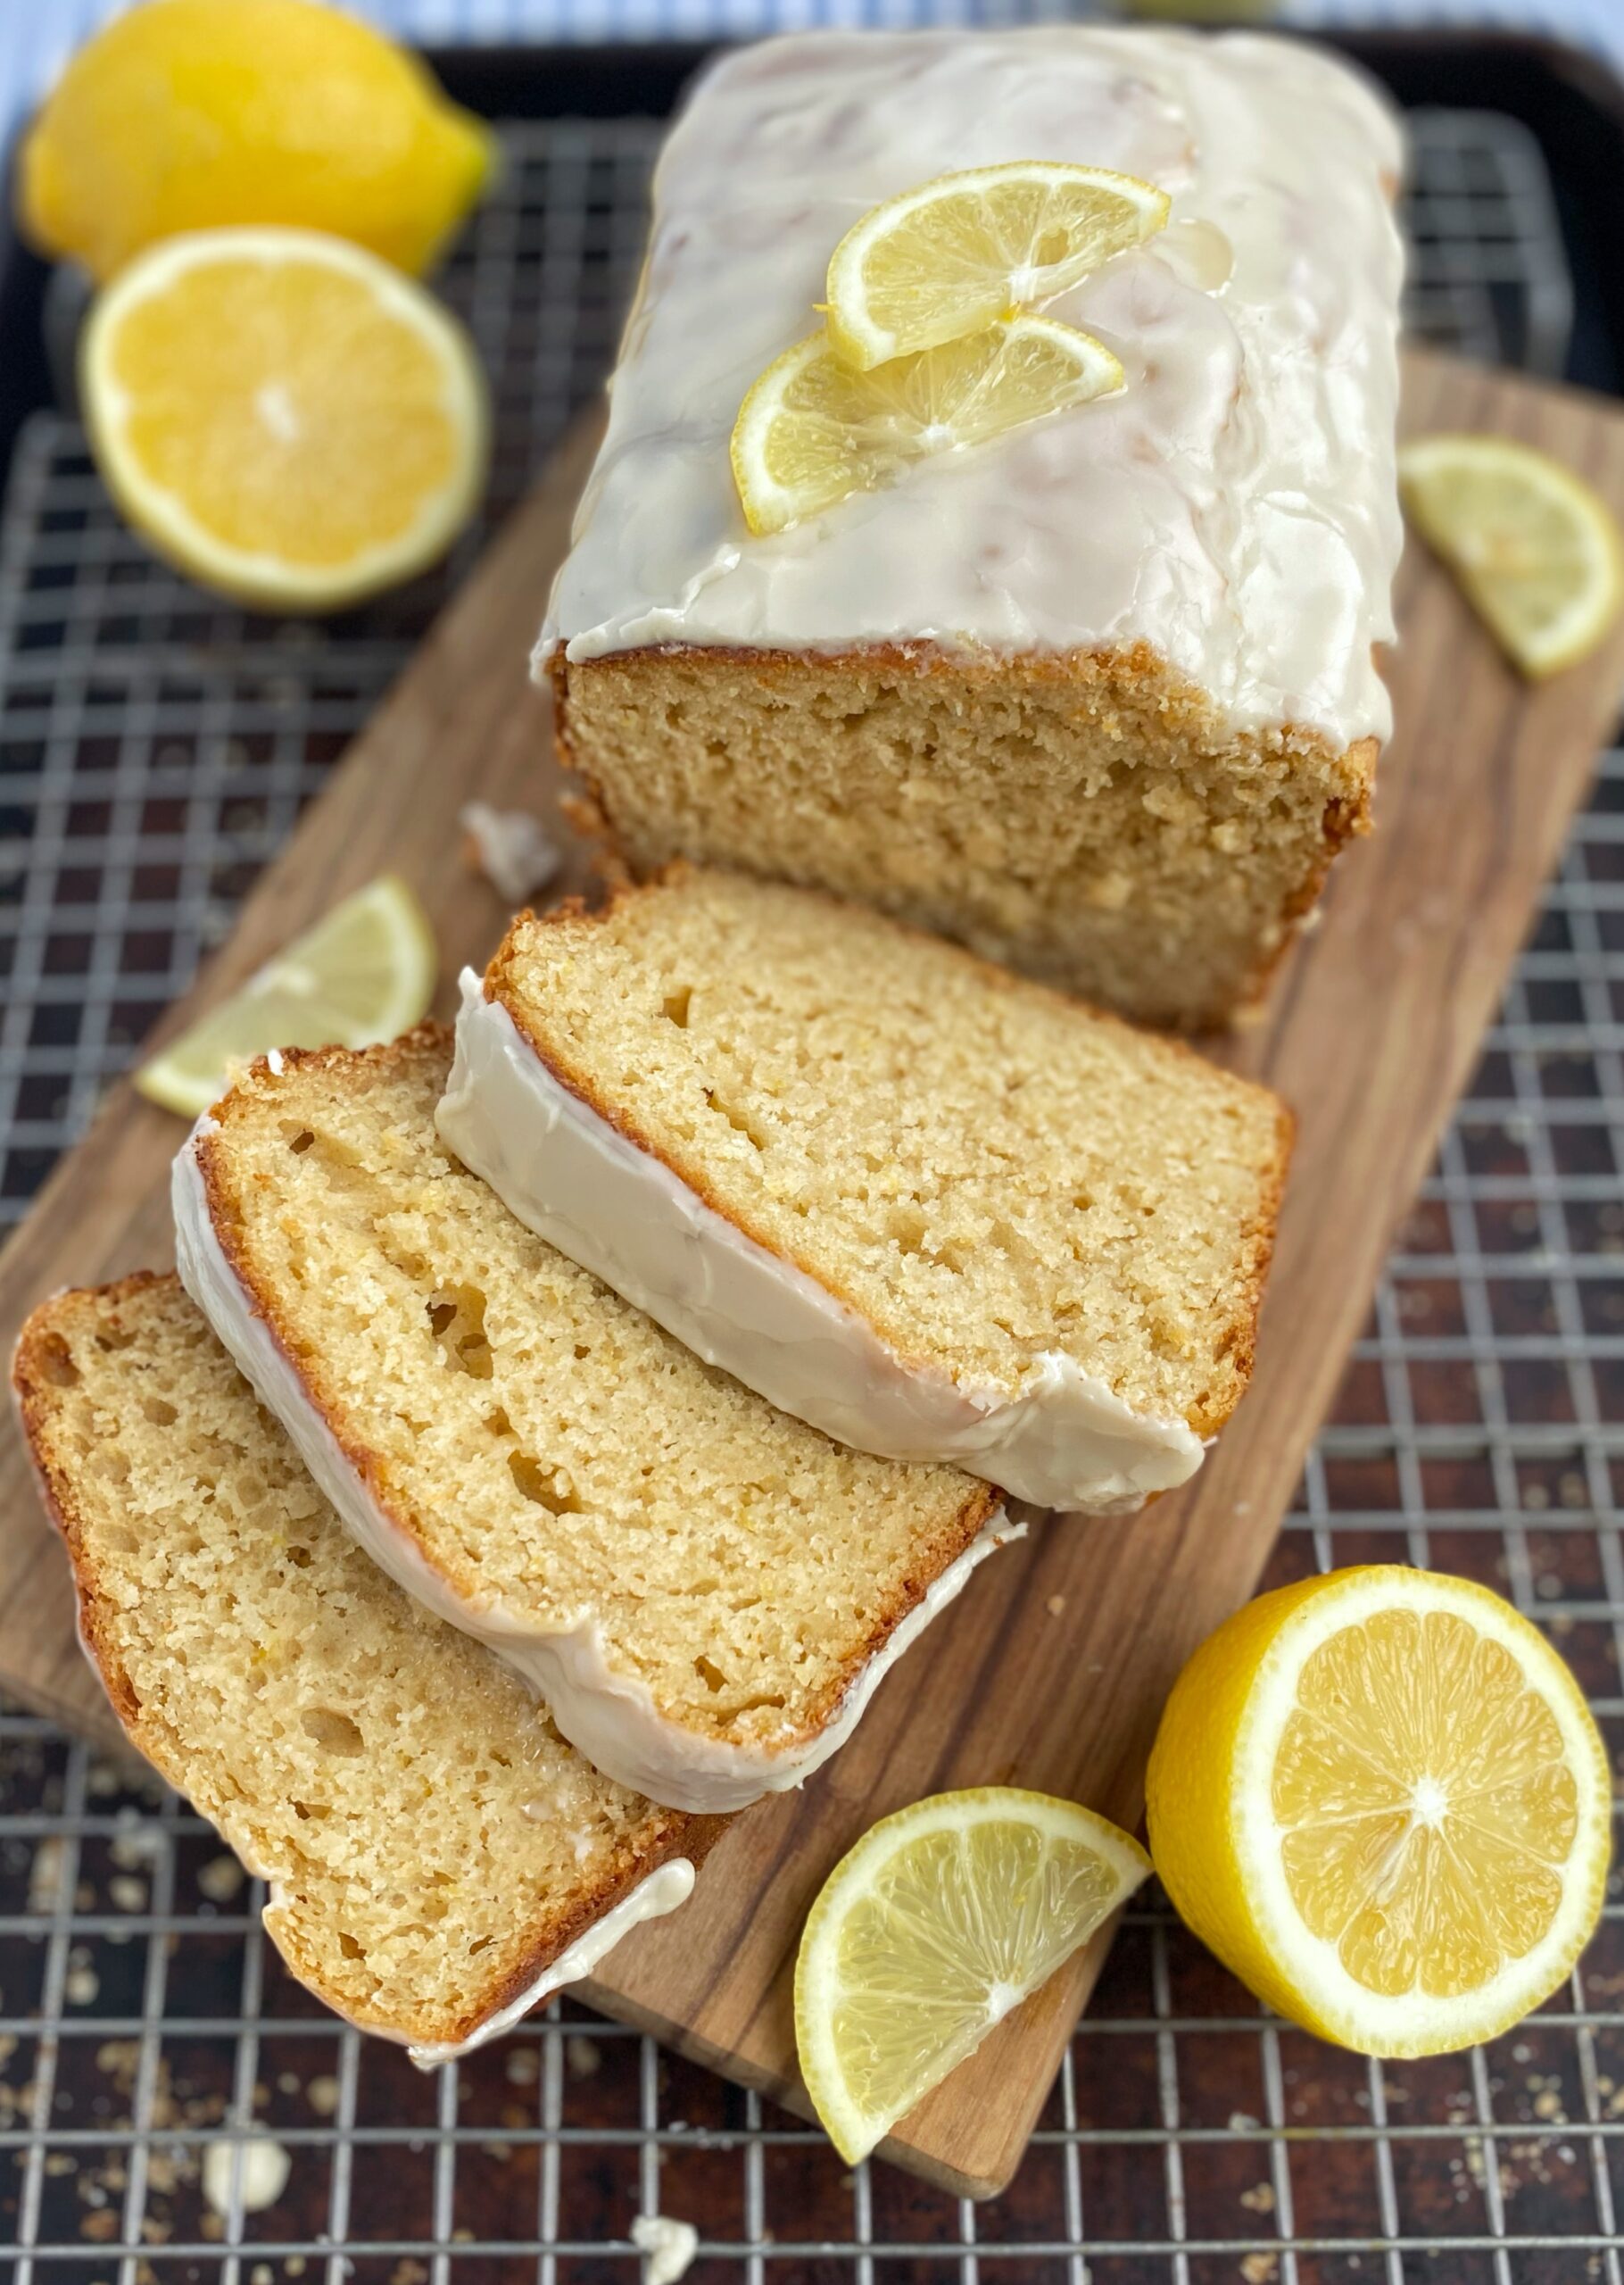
(1239, 1338)
(667, 1833)
(226, 1218)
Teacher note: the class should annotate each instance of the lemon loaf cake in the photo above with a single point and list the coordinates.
(1098, 696)
(438, 1859)
(941, 1212)
(705, 1592)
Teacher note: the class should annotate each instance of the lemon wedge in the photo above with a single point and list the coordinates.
(189, 114)
(940, 1921)
(283, 415)
(1379, 1797)
(1536, 551)
(365, 972)
(947, 259)
(812, 431)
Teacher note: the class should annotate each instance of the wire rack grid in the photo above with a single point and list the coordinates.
(174, 2110)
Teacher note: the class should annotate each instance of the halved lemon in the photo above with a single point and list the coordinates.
(283, 415)
(1538, 554)
(940, 1921)
(1379, 1797)
(811, 431)
(364, 973)
(949, 257)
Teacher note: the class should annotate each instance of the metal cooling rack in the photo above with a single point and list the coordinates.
(155, 747)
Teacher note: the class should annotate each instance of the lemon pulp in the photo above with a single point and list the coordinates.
(1380, 1797)
(1536, 551)
(283, 414)
(364, 973)
(938, 1924)
(812, 431)
(951, 256)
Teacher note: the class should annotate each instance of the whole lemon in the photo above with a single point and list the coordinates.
(190, 114)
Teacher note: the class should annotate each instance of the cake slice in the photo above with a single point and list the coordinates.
(1100, 696)
(941, 1213)
(705, 1592)
(439, 1859)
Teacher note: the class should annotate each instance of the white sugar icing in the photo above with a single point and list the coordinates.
(1234, 507)
(667, 1886)
(1063, 1439)
(608, 1715)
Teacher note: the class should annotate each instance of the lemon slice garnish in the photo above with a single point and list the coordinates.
(1536, 551)
(1379, 1797)
(938, 1922)
(365, 972)
(949, 257)
(283, 415)
(812, 431)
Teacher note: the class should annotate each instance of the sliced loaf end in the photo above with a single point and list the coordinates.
(432, 1845)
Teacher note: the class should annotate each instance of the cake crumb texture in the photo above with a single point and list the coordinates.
(431, 1843)
(546, 1447)
(1086, 819)
(986, 1171)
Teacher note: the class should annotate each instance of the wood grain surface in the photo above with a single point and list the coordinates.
(1051, 1670)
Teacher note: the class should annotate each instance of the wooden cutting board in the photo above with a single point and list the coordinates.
(1051, 1671)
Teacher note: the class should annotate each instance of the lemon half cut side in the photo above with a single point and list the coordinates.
(1380, 1797)
(283, 415)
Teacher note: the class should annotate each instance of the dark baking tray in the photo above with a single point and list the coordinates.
(1569, 100)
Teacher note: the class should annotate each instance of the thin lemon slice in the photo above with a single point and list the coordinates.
(942, 1919)
(811, 430)
(1536, 551)
(283, 414)
(1379, 1797)
(949, 257)
(364, 973)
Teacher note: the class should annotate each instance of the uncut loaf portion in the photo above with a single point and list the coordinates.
(439, 1859)
(705, 1592)
(1099, 697)
(940, 1212)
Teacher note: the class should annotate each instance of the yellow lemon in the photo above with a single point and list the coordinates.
(1535, 550)
(938, 1924)
(283, 415)
(811, 430)
(947, 258)
(364, 973)
(1379, 1797)
(191, 114)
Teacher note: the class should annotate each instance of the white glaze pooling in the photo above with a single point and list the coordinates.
(669, 1885)
(1063, 1439)
(610, 1717)
(1235, 507)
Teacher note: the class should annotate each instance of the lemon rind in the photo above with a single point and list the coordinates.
(854, 2133)
(770, 507)
(260, 579)
(176, 1081)
(1315, 1988)
(864, 345)
(1573, 638)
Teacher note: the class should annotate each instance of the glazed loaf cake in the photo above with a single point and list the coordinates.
(939, 1211)
(439, 1860)
(704, 1592)
(1099, 698)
